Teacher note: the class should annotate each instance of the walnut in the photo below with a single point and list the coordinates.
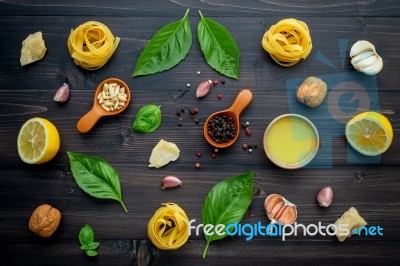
(312, 91)
(44, 220)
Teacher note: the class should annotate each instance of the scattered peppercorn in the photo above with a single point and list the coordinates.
(198, 154)
(213, 155)
(250, 150)
(195, 110)
(220, 96)
(245, 146)
(248, 132)
(180, 123)
(215, 150)
(188, 85)
(198, 72)
(221, 128)
(223, 81)
(215, 82)
(196, 121)
(250, 146)
(247, 123)
(197, 165)
(255, 146)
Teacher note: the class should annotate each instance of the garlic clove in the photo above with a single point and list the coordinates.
(361, 46)
(170, 181)
(279, 209)
(325, 197)
(361, 57)
(288, 216)
(203, 88)
(375, 68)
(62, 94)
(366, 63)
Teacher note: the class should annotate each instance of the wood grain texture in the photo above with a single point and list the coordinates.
(373, 188)
(158, 8)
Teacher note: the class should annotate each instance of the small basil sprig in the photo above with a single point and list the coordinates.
(148, 119)
(226, 203)
(219, 48)
(167, 48)
(96, 177)
(86, 238)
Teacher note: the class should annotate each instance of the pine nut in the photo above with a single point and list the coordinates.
(105, 87)
(121, 98)
(105, 108)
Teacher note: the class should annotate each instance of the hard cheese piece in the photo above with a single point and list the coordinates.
(163, 153)
(33, 48)
(353, 220)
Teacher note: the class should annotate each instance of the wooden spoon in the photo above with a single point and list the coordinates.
(87, 122)
(241, 101)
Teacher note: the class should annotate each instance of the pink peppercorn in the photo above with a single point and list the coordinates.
(198, 154)
(215, 82)
(213, 155)
(220, 96)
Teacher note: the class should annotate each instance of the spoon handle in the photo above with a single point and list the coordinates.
(243, 99)
(87, 122)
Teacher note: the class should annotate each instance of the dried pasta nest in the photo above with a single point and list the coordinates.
(288, 42)
(168, 229)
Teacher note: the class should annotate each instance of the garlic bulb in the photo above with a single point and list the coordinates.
(364, 58)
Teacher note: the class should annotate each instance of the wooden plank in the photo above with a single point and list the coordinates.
(372, 188)
(157, 8)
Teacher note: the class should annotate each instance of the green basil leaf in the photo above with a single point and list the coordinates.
(226, 203)
(91, 253)
(86, 236)
(167, 48)
(148, 119)
(219, 48)
(84, 247)
(94, 245)
(96, 177)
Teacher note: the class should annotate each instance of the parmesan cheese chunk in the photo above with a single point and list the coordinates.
(350, 220)
(33, 48)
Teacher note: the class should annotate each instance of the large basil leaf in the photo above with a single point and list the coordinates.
(226, 203)
(219, 47)
(166, 49)
(147, 119)
(96, 177)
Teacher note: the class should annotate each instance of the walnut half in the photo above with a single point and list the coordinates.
(44, 220)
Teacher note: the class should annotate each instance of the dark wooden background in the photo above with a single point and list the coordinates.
(28, 92)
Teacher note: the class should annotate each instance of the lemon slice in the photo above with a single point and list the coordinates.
(38, 141)
(369, 133)
(163, 153)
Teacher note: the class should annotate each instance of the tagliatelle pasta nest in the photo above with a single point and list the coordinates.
(168, 229)
(92, 44)
(288, 42)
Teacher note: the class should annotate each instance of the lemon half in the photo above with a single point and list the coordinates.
(38, 141)
(369, 133)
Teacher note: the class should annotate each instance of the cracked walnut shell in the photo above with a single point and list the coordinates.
(44, 220)
(312, 91)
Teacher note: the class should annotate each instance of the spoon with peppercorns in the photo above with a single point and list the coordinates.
(221, 129)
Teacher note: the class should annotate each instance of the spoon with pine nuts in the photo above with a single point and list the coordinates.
(112, 97)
